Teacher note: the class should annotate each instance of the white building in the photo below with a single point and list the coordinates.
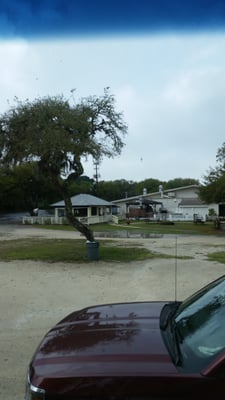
(85, 207)
(179, 204)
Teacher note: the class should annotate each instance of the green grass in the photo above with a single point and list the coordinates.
(156, 228)
(179, 228)
(69, 250)
(218, 256)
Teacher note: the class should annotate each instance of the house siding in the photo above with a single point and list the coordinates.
(173, 202)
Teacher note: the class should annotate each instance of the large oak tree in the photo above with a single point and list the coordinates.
(58, 136)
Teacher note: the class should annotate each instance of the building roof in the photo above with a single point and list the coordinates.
(190, 202)
(182, 188)
(147, 195)
(84, 200)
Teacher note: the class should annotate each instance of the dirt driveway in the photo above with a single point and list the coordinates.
(36, 295)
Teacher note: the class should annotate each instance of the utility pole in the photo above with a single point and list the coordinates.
(96, 174)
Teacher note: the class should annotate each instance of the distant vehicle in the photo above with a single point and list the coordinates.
(140, 350)
(44, 213)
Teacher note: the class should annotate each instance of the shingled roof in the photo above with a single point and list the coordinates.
(84, 200)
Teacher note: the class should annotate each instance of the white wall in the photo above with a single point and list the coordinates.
(171, 201)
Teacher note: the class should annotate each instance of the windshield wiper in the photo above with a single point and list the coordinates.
(167, 313)
(176, 340)
(167, 322)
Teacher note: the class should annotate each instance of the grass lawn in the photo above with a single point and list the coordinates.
(179, 228)
(71, 250)
(218, 256)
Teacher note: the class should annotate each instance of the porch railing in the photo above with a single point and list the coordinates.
(52, 220)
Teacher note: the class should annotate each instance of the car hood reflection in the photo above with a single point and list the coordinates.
(105, 341)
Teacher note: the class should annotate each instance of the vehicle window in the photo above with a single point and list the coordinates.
(201, 324)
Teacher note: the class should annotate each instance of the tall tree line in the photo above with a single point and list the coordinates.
(23, 188)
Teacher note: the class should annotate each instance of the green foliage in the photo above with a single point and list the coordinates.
(112, 190)
(82, 184)
(23, 188)
(44, 192)
(179, 182)
(213, 188)
(211, 212)
(151, 185)
(57, 136)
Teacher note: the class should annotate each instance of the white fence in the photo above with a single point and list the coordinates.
(169, 217)
(52, 220)
(179, 217)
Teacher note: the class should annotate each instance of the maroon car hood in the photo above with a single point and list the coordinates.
(104, 341)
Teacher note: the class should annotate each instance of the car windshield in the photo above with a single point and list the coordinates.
(201, 324)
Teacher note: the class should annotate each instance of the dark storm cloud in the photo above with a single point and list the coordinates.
(48, 17)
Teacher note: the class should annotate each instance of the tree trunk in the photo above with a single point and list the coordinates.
(74, 221)
(62, 187)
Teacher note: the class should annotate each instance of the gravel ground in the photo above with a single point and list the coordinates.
(36, 295)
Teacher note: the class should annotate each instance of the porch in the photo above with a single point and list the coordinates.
(86, 208)
(54, 220)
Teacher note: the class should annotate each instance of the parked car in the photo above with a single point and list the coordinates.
(140, 350)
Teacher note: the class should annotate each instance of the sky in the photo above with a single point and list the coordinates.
(163, 60)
